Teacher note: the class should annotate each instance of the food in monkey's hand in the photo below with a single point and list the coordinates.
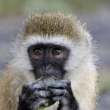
(47, 80)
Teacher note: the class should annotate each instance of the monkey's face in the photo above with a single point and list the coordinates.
(48, 59)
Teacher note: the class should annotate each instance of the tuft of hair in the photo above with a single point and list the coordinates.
(52, 24)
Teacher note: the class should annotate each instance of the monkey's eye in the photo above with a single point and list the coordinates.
(56, 51)
(37, 51)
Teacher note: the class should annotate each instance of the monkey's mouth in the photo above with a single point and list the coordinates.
(47, 80)
(50, 76)
(40, 75)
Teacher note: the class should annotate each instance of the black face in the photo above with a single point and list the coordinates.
(48, 59)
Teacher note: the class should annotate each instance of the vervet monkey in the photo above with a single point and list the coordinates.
(50, 44)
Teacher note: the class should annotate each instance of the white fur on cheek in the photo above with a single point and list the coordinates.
(77, 56)
(22, 60)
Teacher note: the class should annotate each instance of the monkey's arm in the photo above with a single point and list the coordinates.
(7, 100)
(11, 82)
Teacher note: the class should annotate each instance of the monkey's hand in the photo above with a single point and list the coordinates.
(32, 96)
(61, 91)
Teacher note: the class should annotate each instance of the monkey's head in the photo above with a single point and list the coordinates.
(52, 44)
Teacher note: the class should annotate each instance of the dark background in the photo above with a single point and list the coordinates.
(95, 13)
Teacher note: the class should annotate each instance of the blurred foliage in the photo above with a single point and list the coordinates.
(49, 5)
(15, 6)
(11, 6)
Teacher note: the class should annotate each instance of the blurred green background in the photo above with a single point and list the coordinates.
(95, 13)
(20, 6)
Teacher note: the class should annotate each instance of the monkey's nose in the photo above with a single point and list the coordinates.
(47, 67)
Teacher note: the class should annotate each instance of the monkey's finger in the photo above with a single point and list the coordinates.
(23, 97)
(59, 92)
(24, 88)
(39, 94)
(58, 85)
(61, 99)
(39, 86)
(30, 88)
(66, 82)
(42, 93)
(33, 84)
(39, 102)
